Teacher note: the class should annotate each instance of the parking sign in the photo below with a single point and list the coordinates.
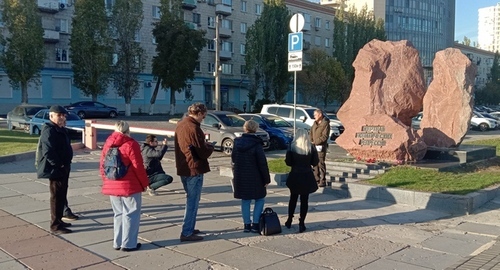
(295, 42)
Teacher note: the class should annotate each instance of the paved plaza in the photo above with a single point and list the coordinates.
(341, 233)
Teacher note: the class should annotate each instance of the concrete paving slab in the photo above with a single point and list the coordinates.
(158, 258)
(12, 265)
(203, 265)
(462, 245)
(401, 234)
(384, 264)
(247, 258)
(479, 228)
(293, 264)
(33, 247)
(74, 257)
(4, 257)
(83, 237)
(28, 206)
(167, 236)
(19, 233)
(207, 248)
(288, 246)
(27, 188)
(10, 221)
(425, 258)
(103, 265)
(6, 193)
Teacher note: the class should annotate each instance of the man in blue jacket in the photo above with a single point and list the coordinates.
(54, 155)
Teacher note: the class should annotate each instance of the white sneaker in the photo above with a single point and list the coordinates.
(151, 192)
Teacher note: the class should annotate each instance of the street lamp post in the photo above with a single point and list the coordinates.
(217, 64)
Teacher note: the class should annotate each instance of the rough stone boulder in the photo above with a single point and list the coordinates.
(382, 137)
(388, 80)
(448, 102)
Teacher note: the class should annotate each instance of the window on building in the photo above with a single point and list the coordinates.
(317, 41)
(156, 12)
(109, 4)
(227, 2)
(258, 9)
(243, 49)
(153, 40)
(227, 46)
(307, 18)
(228, 24)
(243, 69)
(197, 66)
(197, 18)
(317, 22)
(243, 6)
(211, 22)
(211, 67)
(62, 25)
(227, 68)
(62, 55)
(327, 25)
(243, 28)
(211, 45)
(137, 36)
(327, 42)
(137, 61)
(114, 59)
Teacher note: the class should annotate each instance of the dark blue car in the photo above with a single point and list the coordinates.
(280, 131)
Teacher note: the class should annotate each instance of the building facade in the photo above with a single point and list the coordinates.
(428, 24)
(483, 60)
(488, 26)
(235, 18)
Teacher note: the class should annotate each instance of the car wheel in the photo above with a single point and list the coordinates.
(36, 130)
(483, 127)
(112, 114)
(227, 146)
(274, 144)
(81, 114)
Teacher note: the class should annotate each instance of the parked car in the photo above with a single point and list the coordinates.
(304, 113)
(482, 123)
(415, 121)
(280, 131)
(223, 127)
(42, 117)
(85, 109)
(20, 116)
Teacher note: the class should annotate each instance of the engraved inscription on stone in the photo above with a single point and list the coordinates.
(373, 136)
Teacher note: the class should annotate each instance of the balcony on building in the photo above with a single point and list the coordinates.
(307, 26)
(50, 36)
(225, 55)
(49, 6)
(223, 10)
(225, 32)
(189, 4)
(192, 25)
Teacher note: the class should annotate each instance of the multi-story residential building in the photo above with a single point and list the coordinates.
(235, 16)
(483, 60)
(428, 24)
(488, 26)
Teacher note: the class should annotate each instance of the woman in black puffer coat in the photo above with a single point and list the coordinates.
(302, 157)
(250, 174)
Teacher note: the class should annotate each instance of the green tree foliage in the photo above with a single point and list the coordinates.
(178, 48)
(322, 80)
(125, 23)
(91, 48)
(24, 53)
(267, 58)
(352, 30)
(490, 94)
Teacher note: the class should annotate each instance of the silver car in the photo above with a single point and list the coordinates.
(223, 127)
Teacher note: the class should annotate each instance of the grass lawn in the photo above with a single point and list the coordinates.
(12, 142)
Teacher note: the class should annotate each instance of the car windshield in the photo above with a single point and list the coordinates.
(33, 111)
(310, 112)
(332, 116)
(232, 120)
(277, 122)
(72, 116)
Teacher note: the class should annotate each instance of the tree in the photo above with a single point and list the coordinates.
(490, 94)
(322, 79)
(24, 54)
(266, 59)
(352, 30)
(125, 23)
(91, 48)
(466, 41)
(178, 48)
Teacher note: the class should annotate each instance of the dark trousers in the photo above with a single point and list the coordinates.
(58, 192)
(304, 205)
(320, 169)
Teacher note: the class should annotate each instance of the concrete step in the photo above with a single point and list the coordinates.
(357, 165)
(354, 175)
(354, 170)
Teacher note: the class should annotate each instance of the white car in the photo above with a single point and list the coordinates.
(304, 114)
(478, 121)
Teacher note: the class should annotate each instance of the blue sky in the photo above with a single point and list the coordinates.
(466, 17)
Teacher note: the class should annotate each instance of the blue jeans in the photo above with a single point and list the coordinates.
(126, 220)
(192, 186)
(257, 210)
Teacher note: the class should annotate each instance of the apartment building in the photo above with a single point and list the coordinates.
(235, 16)
(488, 26)
(483, 60)
(428, 24)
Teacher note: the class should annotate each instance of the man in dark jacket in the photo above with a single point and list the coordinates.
(191, 160)
(152, 163)
(320, 131)
(54, 162)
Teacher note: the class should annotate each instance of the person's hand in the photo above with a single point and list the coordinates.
(165, 141)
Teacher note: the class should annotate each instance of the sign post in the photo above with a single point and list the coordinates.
(295, 45)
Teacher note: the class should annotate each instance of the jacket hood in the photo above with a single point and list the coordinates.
(118, 139)
(247, 141)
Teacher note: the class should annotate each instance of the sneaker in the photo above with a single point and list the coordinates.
(151, 192)
(132, 249)
(247, 228)
(196, 231)
(192, 237)
(64, 224)
(70, 217)
(62, 231)
(255, 228)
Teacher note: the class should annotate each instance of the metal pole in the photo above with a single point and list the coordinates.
(294, 101)
(217, 63)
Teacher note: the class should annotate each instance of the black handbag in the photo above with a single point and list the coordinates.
(269, 223)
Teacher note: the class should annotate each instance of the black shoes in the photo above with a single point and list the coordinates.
(64, 224)
(247, 228)
(302, 226)
(192, 237)
(255, 228)
(62, 230)
(132, 249)
(70, 217)
(196, 231)
(288, 222)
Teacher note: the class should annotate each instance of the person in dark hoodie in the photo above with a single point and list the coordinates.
(250, 175)
(152, 163)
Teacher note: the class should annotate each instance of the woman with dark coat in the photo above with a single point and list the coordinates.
(250, 174)
(302, 157)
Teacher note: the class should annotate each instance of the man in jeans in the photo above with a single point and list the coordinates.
(191, 160)
(152, 163)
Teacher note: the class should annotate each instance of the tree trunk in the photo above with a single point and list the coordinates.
(153, 97)
(94, 97)
(127, 109)
(172, 101)
(24, 92)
